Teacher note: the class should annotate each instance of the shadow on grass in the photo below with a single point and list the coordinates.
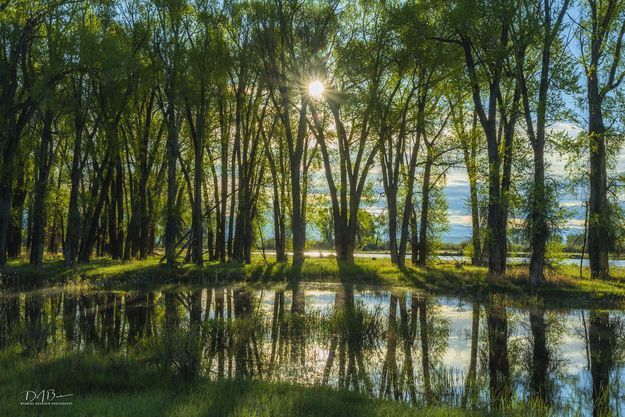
(562, 286)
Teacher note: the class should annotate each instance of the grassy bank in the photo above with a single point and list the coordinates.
(111, 385)
(564, 286)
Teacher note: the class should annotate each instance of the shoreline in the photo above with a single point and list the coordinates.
(563, 287)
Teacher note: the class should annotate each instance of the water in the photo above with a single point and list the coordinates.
(389, 343)
(619, 263)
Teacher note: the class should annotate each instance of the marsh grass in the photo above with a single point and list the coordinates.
(116, 386)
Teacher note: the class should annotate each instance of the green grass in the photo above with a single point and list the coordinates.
(116, 386)
(107, 384)
(564, 286)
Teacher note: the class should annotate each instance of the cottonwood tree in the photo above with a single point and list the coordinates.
(142, 130)
(22, 83)
(483, 31)
(293, 37)
(538, 31)
(169, 43)
(113, 85)
(601, 37)
(55, 67)
(403, 80)
(208, 61)
(352, 87)
(251, 109)
(106, 104)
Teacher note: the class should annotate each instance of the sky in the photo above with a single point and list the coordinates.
(457, 193)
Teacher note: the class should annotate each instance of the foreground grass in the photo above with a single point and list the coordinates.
(117, 386)
(564, 286)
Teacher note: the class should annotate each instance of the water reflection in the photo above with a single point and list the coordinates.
(399, 345)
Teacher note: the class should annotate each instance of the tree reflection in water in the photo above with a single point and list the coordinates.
(498, 363)
(602, 341)
(390, 344)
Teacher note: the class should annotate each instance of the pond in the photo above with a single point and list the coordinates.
(390, 343)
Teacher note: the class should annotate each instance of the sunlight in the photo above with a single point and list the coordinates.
(315, 89)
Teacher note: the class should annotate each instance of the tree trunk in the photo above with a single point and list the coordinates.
(220, 245)
(414, 238)
(425, 207)
(196, 222)
(41, 189)
(72, 240)
(598, 225)
(6, 194)
(233, 202)
(476, 259)
(210, 238)
(119, 202)
(14, 244)
(298, 225)
(91, 231)
(278, 226)
(143, 215)
(496, 228)
(115, 224)
(278, 215)
(469, 150)
(538, 218)
(171, 220)
(344, 244)
(392, 227)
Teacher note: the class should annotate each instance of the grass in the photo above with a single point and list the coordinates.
(118, 384)
(112, 385)
(563, 287)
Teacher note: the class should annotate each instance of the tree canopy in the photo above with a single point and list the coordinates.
(191, 129)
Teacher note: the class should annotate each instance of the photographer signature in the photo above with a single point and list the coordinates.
(45, 397)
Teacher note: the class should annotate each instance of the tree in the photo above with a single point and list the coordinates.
(288, 59)
(483, 28)
(601, 37)
(112, 86)
(251, 106)
(535, 99)
(169, 43)
(356, 154)
(49, 110)
(21, 83)
(208, 60)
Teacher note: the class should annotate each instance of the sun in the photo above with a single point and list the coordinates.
(315, 89)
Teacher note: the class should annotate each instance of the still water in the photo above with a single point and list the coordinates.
(511, 260)
(389, 343)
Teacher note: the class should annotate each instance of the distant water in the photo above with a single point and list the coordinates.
(448, 258)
